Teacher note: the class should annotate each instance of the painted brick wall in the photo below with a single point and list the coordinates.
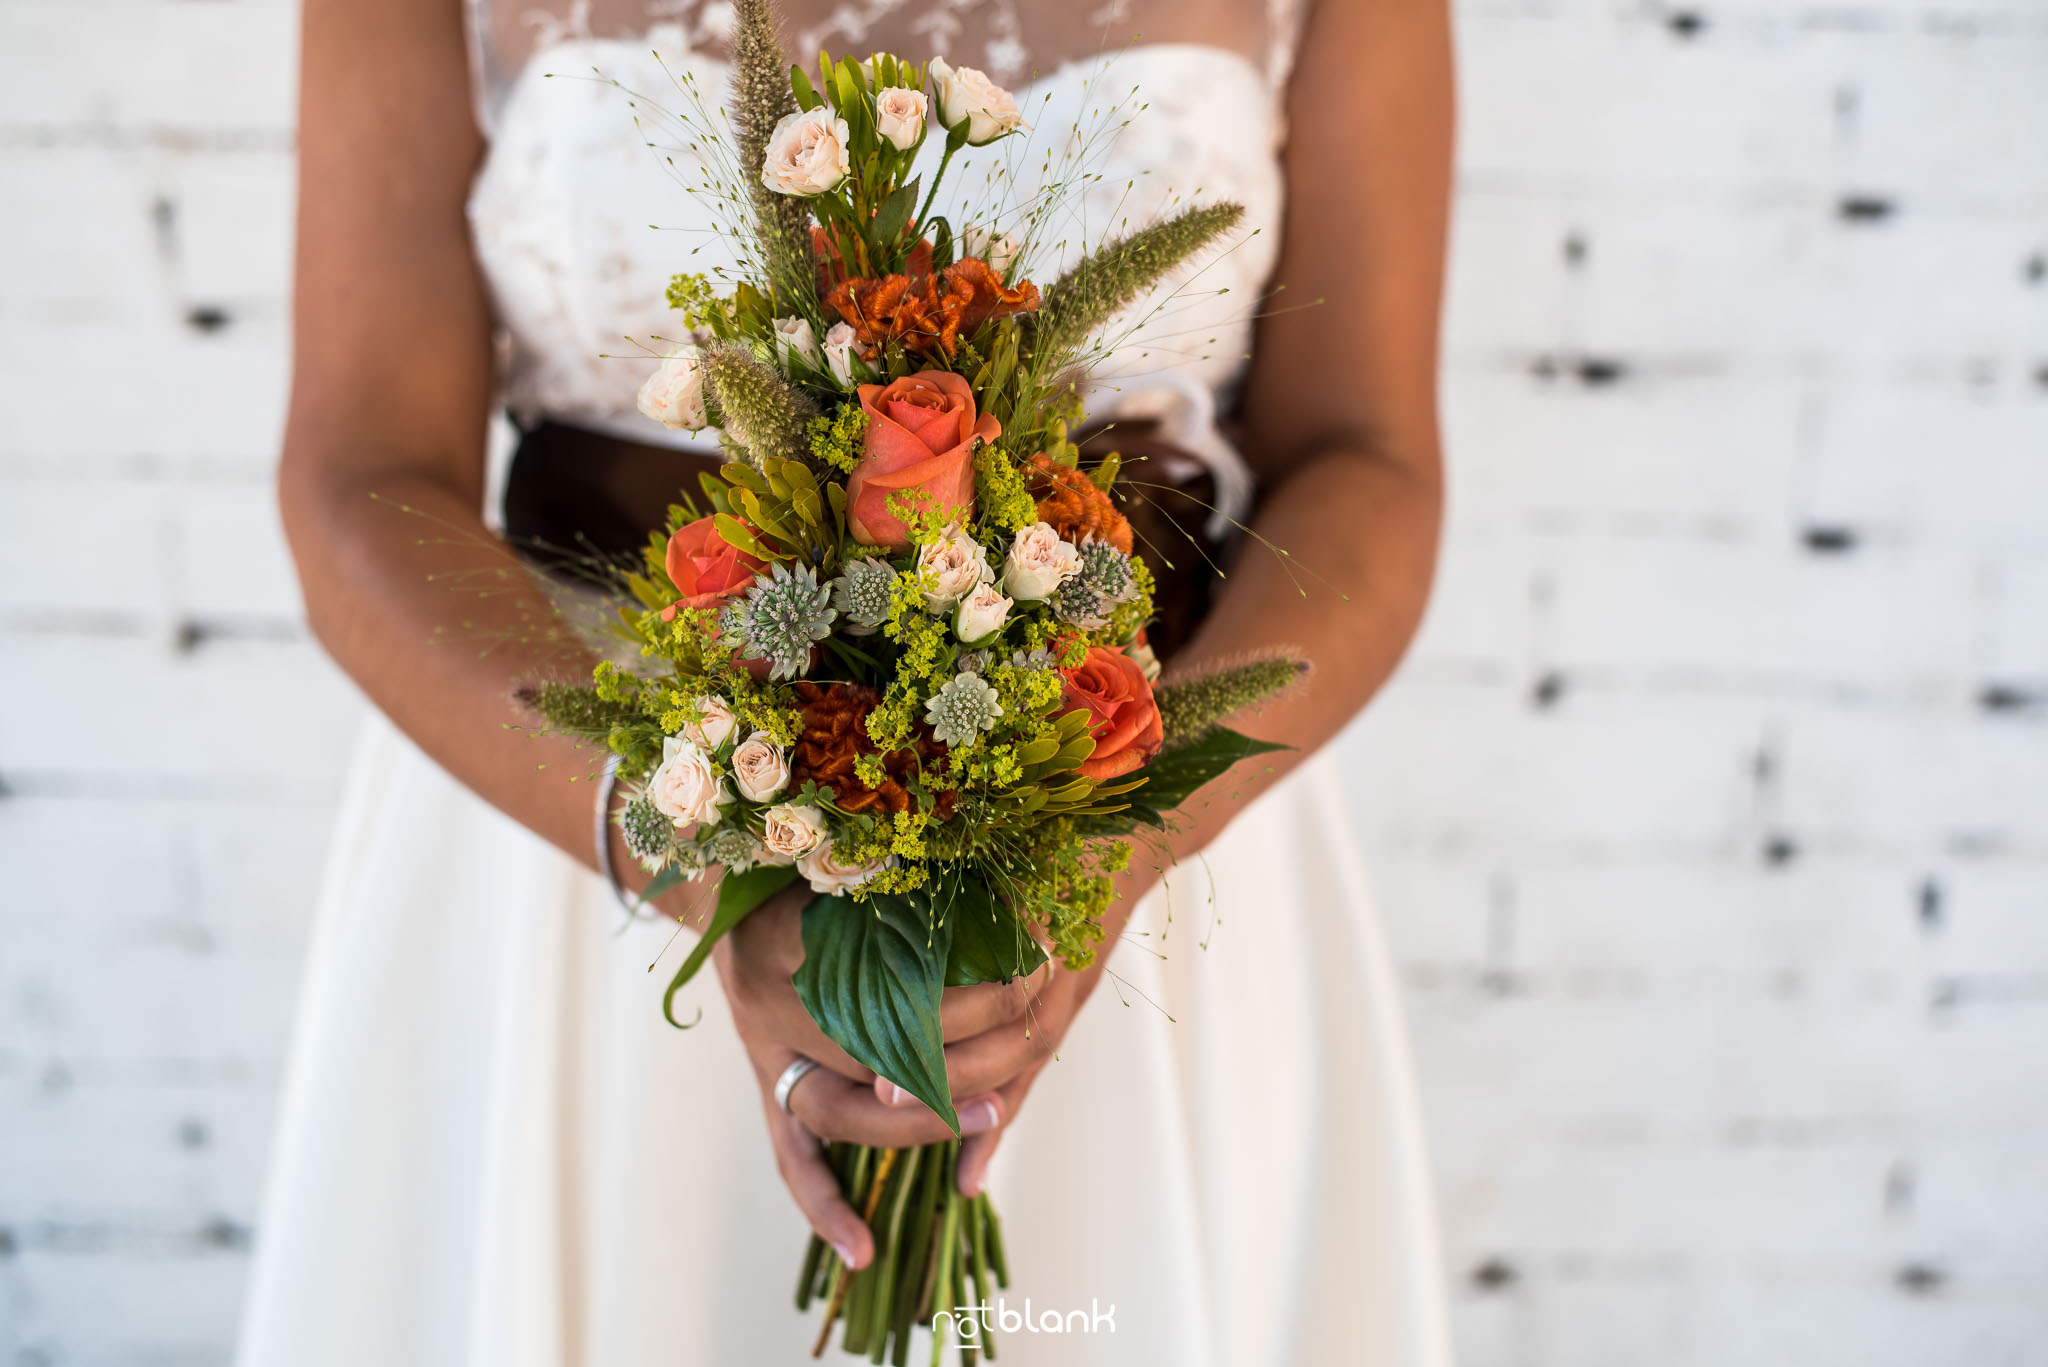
(1710, 815)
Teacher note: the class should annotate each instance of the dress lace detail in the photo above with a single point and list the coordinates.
(577, 228)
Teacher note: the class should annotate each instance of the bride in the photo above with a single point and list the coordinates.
(492, 1149)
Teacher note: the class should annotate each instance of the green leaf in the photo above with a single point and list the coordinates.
(942, 241)
(989, 942)
(1104, 475)
(1174, 777)
(738, 895)
(1037, 751)
(871, 978)
(660, 883)
(894, 213)
(736, 535)
(800, 86)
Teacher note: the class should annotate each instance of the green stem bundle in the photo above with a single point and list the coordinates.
(936, 1253)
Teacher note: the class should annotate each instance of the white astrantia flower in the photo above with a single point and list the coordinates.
(685, 786)
(786, 613)
(1039, 562)
(674, 394)
(791, 830)
(831, 876)
(955, 565)
(795, 338)
(899, 116)
(967, 95)
(963, 709)
(809, 153)
(650, 835)
(733, 848)
(861, 594)
(842, 356)
(981, 613)
(760, 769)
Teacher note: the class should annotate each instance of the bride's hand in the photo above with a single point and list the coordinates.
(1001, 1062)
(839, 1100)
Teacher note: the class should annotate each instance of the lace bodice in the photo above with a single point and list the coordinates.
(577, 226)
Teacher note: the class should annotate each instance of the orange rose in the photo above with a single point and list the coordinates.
(707, 569)
(1122, 717)
(920, 437)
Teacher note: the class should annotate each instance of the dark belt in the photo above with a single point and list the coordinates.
(573, 496)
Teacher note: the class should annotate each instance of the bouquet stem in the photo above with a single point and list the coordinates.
(936, 1253)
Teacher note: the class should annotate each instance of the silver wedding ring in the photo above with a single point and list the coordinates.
(792, 1075)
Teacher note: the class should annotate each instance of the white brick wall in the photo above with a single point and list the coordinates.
(1710, 816)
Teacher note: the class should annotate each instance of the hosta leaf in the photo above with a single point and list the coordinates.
(871, 978)
(990, 944)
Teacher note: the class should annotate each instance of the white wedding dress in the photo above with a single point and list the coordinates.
(493, 1152)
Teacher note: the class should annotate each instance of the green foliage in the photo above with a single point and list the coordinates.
(1108, 279)
(1001, 497)
(578, 709)
(766, 414)
(1190, 708)
(990, 945)
(796, 515)
(1175, 776)
(871, 978)
(693, 296)
(838, 441)
(739, 894)
(760, 98)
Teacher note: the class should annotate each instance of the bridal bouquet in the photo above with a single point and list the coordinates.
(896, 646)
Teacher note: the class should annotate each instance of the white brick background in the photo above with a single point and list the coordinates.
(1710, 815)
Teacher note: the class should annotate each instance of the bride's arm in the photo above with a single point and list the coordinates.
(1341, 427)
(390, 399)
(1340, 411)
(391, 395)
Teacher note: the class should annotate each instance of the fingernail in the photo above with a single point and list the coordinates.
(897, 1096)
(971, 1183)
(978, 1117)
(845, 1254)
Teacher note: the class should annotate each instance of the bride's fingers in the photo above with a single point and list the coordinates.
(966, 1011)
(983, 1062)
(771, 1019)
(810, 1179)
(835, 1109)
(977, 1149)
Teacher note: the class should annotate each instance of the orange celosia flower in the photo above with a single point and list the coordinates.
(1073, 505)
(929, 312)
(834, 734)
